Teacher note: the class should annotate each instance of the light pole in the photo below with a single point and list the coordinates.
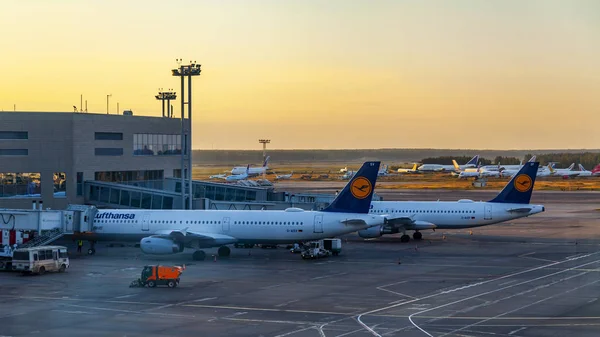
(107, 96)
(166, 96)
(192, 69)
(264, 142)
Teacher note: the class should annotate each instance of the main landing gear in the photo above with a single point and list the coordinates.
(417, 236)
(200, 255)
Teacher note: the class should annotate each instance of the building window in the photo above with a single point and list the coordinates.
(14, 135)
(108, 136)
(128, 176)
(148, 144)
(20, 185)
(14, 152)
(108, 151)
(60, 184)
(79, 184)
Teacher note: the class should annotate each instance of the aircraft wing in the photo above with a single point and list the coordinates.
(204, 239)
(409, 223)
(355, 222)
(400, 221)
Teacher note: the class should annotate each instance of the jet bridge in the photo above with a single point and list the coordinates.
(48, 224)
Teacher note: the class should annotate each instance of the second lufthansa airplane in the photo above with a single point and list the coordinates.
(512, 203)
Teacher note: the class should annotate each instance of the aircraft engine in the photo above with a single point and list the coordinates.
(372, 232)
(160, 246)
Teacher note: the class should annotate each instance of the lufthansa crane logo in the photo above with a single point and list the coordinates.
(360, 187)
(523, 183)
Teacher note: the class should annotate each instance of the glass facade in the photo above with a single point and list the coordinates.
(220, 193)
(148, 144)
(133, 199)
(20, 185)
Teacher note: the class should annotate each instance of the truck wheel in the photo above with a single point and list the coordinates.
(42, 271)
(62, 268)
(151, 284)
(171, 284)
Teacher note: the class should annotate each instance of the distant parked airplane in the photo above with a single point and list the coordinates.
(255, 171)
(236, 177)
(448, 168)
(284, 176)
(414, 169)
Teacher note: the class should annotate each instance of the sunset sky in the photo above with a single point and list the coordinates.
(321, 74)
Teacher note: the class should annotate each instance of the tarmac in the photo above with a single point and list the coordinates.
(537, 276)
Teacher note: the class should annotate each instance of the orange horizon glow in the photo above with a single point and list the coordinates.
(321, 75)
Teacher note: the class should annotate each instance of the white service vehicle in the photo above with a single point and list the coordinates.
(39, 260)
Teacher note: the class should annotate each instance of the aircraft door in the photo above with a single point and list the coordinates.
(318, 224)
(226, 224)
(146, 222)
(487, 212)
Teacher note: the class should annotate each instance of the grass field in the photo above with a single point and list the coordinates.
(409, 181)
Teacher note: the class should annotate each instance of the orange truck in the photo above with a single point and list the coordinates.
(153, 276)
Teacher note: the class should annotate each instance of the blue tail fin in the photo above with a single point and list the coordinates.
(266, 161)
(473, 161)
(519, 188)
(357, 194)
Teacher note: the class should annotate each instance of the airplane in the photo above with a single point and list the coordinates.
(565, 173)
(477, 173)
(242, 176)
(509, 173)
(583, 172)
(441, 168)
(383, 172)
(596, 170)
(163, 232)
(412, 170)
(348, 175)
(284, 176)
(255, 171)
(516, 168)
(511, 203)
(218, 176)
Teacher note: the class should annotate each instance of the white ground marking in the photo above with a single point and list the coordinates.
(491, 292)
(373, 332)
(527, 305)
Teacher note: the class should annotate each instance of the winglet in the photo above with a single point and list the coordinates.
(519, 188)
(358, 192)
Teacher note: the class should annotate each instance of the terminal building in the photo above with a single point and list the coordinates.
(113, 161)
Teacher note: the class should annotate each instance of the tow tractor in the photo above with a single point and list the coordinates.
(159, 275)
(322, 248)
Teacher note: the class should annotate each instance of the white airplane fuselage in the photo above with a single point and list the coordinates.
(455, 214)
(442, 168)
(253, 171)
(292, 225)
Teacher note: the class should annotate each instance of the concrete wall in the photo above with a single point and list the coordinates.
(65, 142)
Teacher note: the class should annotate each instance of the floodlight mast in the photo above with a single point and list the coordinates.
(192, 69)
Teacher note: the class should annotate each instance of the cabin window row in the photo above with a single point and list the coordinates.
(421, 211)
(277, 223)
